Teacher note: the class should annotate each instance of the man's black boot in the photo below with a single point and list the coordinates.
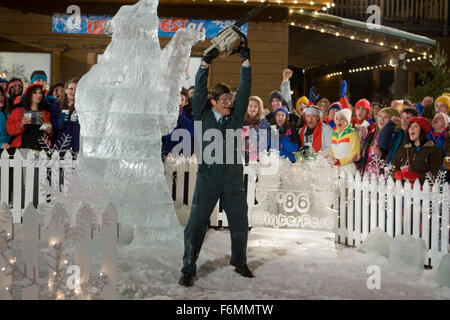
(244, 271)
(186, 280)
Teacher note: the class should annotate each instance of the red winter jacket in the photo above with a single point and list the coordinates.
(14, 125)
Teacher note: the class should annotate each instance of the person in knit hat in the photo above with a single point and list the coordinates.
(442, 104)
(288, 140)
(14, 90)
(315, 133)
(297, 117)
(329, 119)
(345, 143)
(438, 131)
(276, 101)
(362, 121)
(419, 155)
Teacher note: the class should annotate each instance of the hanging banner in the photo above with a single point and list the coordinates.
(63, 23)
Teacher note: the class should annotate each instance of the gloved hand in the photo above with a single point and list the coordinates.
(410, 175)
(242, 51)
(211, 55)
(398, 175)
(313, 94)
(343, 89)
(336, 162)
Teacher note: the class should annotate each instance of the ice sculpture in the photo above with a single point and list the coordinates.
(125, 104)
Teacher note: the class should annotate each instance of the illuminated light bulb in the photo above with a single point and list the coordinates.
(396, 47)
(66, 262)
(352, 37)
(292, 24)
(381, 43)
(431, 56)
(3, 269)
(419, 58)
(367, 40)
(322, 30)
(413, 59)
(306, 27)
(333, 5)
(311, 3)
(410, 50)
(316, 12)
(407, 60)
(337, 34)
(324, 8)
(301, 10)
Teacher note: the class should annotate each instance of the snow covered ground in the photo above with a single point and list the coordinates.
(288, 264)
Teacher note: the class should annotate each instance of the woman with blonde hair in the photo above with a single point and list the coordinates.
(254, 120)
(323, 105)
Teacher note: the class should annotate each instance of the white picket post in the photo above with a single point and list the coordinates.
(29, 164)
(251, 185)
(56, 237)
(398, 207)
(445, 220)
(181, 169)
(43, 162)
(416, 197)
(55, 164)
(4, 167)
(31, 251)
(108, 249)
(381, 203)
(83, 242)
(407, 208)
(426, 217)
(16, 163)
(435, 195)
(343, 208)
(390, 206)
(193, 167)
(365, 207)
(6, 226)
(358, 210)
(350, 209)
(373, 202)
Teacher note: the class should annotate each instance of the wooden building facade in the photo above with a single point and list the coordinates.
(278, 39)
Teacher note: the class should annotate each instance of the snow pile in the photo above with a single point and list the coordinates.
(288, 264)
(407, 254)
(378, 241)
(442, 276)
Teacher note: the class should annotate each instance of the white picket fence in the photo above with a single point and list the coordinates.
(421, 211)
(361, 205)
(21, 178)
(183, 189)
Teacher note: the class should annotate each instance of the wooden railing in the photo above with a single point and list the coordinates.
(411, 15)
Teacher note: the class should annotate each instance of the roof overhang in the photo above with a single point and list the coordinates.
(337, 39)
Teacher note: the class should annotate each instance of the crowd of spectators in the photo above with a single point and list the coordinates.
(37, 116)
(356, 138)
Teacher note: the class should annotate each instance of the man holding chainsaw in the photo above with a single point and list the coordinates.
(221, 179)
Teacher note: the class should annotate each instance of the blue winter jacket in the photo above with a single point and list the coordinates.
(390, 141)
(185, 121)
(287, 147)
(4, 136)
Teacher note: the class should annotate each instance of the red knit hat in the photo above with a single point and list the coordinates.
(33, 86)
(424, 123)
(363, 103)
